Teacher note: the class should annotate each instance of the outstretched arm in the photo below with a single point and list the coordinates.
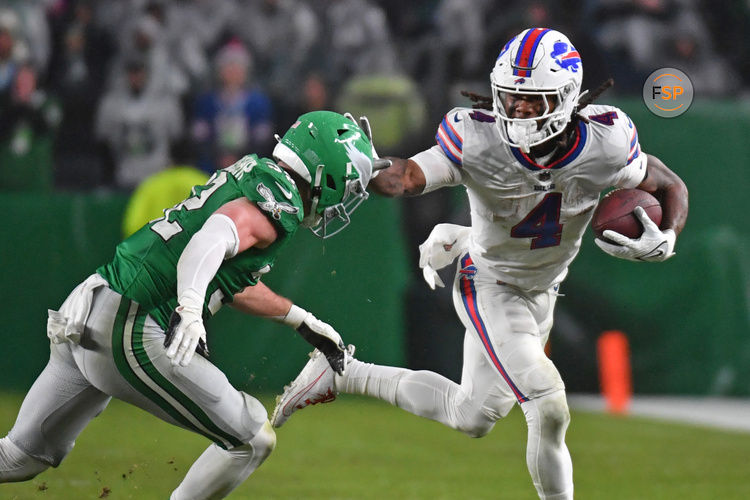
(402, 178)
(260, 300)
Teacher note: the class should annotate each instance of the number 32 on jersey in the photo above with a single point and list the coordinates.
(542, 224)
(166, 228)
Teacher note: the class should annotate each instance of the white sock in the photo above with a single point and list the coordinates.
(422, 393)
(372, 380)
(15, 465)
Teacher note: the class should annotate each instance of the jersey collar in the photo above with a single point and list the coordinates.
(573, 153)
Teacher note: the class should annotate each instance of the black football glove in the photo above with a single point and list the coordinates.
(326, 339)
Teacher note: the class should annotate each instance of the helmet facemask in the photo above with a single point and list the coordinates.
(337, 216)
(525, 133)
(333, 155)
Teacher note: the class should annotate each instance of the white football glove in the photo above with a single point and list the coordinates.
(326, 339)
(654, 245)
(445, 243)
(378, 163)
(185, 335)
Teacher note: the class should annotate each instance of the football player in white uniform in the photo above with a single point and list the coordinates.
(534, 168)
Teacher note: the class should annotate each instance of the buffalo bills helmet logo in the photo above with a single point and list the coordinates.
(566, 56)
(519, 81)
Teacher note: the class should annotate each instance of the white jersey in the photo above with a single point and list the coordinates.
(528, 219)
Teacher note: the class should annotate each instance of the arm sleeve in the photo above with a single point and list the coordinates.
(627, 157)
(632, 174)
(438, 169)
(442, 163)
(215, 241)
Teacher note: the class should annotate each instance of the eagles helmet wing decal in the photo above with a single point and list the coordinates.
(271, 205)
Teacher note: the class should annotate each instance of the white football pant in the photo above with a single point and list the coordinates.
(504, 363)
(121, 354)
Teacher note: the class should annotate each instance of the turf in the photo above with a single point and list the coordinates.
(362, 449)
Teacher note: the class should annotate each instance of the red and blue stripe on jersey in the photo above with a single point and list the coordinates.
(469, 296)
(581, 134)
(527, 50)
(449, 140)
(635, 147)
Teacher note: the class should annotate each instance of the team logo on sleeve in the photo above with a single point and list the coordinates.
(566, 56)
(468, 271)
(271, 205)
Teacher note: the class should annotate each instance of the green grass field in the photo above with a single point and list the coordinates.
(357, 449)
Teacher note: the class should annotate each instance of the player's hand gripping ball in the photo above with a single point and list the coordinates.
(615, 213)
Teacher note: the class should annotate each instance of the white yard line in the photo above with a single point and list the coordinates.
(724, 413)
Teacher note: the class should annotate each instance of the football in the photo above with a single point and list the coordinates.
(615, 212)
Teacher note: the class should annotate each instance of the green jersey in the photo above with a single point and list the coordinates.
(144, 268)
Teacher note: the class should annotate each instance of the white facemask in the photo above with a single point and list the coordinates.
(524, 133)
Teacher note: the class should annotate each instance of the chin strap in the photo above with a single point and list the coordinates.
(315, 192)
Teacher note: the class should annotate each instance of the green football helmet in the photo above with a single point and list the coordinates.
(334, 155)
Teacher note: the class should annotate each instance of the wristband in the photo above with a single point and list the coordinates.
(294, 317)
(190, 299)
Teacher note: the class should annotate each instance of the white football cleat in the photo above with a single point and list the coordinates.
(314, 384)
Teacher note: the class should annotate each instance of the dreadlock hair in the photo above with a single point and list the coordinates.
(480, 101)
(484, 102)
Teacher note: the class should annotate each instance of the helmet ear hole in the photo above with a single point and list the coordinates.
(330, 182)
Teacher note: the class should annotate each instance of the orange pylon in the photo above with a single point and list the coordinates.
(614, 370)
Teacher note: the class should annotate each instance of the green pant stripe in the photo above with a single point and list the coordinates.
(145, 362)
(119, 351)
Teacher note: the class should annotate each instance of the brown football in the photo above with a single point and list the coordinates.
(615, 212)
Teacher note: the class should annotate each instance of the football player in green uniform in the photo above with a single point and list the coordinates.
(131, 330)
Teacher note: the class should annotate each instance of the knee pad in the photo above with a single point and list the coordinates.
(218, 471)
(264, 442)
(551, 411)
(255, 414)
(554, 410)
(476, 427)
(16, 465)
(475, 420)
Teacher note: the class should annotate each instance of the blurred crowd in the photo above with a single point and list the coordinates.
(102, 94)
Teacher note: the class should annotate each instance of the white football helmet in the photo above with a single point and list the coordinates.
(537, 62)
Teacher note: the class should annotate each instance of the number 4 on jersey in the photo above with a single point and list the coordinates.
(542, 224)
